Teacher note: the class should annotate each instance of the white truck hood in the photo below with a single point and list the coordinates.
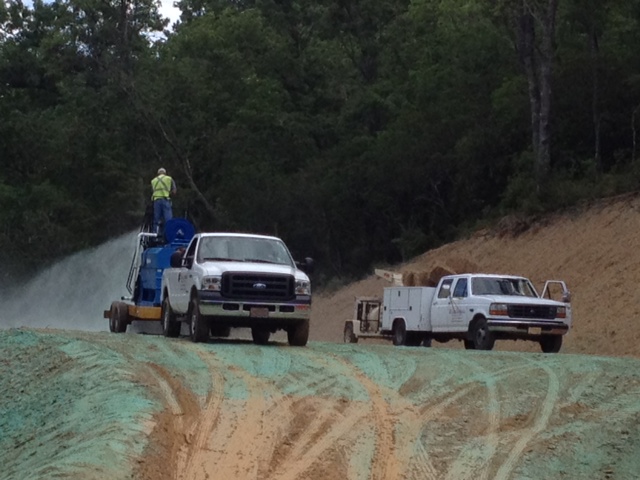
(519, 300)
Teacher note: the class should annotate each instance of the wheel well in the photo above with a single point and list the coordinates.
(398, 320)
(475, 320)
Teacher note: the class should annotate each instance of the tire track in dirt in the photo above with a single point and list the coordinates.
(188, 466)
(542, 419)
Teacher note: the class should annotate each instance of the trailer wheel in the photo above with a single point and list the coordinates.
(482, 338)
(112, 317)
(170, 326)
(260, 335)
(298, 334)
(349, 336)
(551, 343)
(119, 316)
(399, 333)
(198, 326)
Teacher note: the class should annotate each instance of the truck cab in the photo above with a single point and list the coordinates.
(489, 307)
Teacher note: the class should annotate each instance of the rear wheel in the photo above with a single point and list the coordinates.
(198, 326)
(298, 334)
(349, 336)
(468, 345)
(482, 338)
(399, 333)
(170, 326)
(551, 343)
(260, 335)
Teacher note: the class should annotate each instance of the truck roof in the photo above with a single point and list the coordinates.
(236, 234)
(490, 275)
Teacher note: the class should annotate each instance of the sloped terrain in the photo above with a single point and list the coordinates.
(595, 249)
(93, 405)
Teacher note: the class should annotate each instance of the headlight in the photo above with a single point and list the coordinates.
(561, 312)
(303, 287)
(211, 283)
(498, 309)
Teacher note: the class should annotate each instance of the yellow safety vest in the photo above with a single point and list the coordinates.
(161, 186)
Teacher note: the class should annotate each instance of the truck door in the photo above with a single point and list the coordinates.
(182, 279)
(440, 306)
(449, 306)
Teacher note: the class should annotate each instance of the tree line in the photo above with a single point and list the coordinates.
(363, 132)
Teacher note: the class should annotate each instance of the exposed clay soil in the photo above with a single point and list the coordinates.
(95, 405)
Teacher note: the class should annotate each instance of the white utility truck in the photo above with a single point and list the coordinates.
(229, 280)
(475, 308)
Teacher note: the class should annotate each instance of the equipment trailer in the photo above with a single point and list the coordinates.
(152, 256)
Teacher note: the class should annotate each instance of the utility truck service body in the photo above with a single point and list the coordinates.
(475, 308)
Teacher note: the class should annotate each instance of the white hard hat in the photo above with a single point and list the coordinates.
(161, 171)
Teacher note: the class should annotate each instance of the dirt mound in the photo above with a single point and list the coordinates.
(594, 248)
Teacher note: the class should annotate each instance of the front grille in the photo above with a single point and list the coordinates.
(532, 311)
(258, 286)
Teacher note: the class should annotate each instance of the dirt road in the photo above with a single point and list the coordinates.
(99, 405)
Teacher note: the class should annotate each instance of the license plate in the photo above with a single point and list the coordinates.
(535, 331)
(260, 312)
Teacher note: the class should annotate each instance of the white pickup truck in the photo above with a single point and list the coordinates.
(475, 308)
(229, 280)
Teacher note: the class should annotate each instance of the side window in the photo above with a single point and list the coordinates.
(445, 288)
(191, 251)
(461, 288)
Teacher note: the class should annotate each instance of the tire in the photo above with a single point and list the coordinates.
(198, 327)
(220, 331)
(414, 339)
(349, 336)
(260, 335)
(481, 337)
(551, 343)
(427, 341)
(468, 345)
(170, 326)
(298, 334)
(112, 317)
(399, 333)
(119, 317)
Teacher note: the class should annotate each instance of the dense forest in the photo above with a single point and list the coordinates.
(362, 131)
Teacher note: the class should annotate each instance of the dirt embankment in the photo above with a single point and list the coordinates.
(595, 249)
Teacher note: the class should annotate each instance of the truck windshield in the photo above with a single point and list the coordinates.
(243, 249)
(502, 286)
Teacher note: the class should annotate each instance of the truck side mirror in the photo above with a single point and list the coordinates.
(307, 265)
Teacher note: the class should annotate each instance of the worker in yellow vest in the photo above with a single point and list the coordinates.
(163, 187)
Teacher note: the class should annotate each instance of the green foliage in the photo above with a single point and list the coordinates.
(362, 132)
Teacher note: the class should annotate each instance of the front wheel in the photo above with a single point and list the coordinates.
(298, 334)
(198, 326)
(481, 337)
(551, 343)
(349, 336)
(170, 326)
